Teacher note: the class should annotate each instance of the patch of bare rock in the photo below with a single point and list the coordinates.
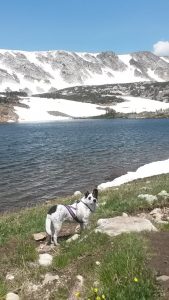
(124, 224)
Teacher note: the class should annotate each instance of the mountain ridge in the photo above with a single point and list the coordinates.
(45, 71)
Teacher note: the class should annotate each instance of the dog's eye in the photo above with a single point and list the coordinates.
(89, 198)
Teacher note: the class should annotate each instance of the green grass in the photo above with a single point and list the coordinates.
(90, 245)
(3, 289)
(121, 259)
(124, 273)
(25, 222)
(125, 199)
(22, 224)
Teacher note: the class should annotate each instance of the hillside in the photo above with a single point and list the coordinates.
(103, 80)
(127, 267)
(44, 71)
(127, 100)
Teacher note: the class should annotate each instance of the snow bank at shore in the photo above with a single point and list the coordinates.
(139, 105)
(38, 110)
(151, 169)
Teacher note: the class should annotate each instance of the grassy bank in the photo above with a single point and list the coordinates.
(114, 268)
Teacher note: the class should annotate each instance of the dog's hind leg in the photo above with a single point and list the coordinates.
(48, 226)
(57, 226)
(48, 239)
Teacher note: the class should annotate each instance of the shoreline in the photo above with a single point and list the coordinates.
(145, 171)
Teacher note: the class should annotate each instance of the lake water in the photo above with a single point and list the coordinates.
(43, 161)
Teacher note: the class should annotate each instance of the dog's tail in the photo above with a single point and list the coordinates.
(48, 224)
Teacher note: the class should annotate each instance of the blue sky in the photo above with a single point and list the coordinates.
(121, 26)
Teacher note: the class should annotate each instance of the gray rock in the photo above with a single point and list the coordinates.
(12, 296)
(73, 238)
(10, 277)
(118, 225)
(39, 236)
(162, 278)
(160, 215)
(124, 214)
(77, 193)
(45, 259)
(49, 278)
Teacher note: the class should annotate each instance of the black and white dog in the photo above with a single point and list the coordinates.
(78, 211)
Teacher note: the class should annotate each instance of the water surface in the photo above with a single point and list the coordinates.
(42, 161)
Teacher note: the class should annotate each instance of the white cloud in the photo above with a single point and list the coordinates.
(161, 48)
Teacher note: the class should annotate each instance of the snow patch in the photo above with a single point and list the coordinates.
(39, 109)
(138, 105)
(154, 168)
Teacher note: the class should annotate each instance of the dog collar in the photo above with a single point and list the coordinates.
(87, 206)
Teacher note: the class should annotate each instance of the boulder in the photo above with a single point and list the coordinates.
(121, 224)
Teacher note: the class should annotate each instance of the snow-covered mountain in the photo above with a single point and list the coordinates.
(38, 72)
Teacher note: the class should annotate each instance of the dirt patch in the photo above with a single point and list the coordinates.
(159, 262)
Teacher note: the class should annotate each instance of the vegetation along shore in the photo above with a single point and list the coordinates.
(98, 264)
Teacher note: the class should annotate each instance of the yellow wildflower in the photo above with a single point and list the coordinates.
(77, 294)
(103, 297)
(98, 298)
(135, 279)
(96, 290)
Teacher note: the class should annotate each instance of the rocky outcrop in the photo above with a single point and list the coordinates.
(124, 224)
(113, 93)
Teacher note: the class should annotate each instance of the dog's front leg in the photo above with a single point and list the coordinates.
(84, 225)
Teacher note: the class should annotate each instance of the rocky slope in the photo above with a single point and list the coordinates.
(98, 78)
(112, 93)
(37, 72)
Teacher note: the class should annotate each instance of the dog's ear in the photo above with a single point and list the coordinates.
(87, 194)
(95, 193)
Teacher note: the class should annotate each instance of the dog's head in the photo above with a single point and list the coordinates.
(91, 199)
